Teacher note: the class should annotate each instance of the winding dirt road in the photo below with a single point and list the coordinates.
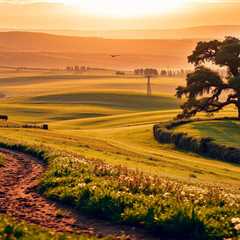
(19, 178)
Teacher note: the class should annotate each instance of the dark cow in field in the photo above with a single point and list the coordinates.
(4, 117)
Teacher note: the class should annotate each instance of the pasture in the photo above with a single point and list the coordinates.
(223, 132)
(106, 117)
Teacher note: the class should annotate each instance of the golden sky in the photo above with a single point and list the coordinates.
(117, 14)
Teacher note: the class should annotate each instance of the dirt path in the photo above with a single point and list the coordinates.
(18, 179)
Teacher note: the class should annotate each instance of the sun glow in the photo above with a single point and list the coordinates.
(126, 8)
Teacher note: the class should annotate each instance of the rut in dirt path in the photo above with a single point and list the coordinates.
(18, 179)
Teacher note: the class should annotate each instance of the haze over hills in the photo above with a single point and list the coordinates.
(42, 42)
(141, 48)
(197, 32)
(47, 50)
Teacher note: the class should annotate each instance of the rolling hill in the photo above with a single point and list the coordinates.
(140, 48)
(47, 50)
(43, 42)
(196, 32)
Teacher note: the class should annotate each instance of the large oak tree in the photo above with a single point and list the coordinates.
(206, 91)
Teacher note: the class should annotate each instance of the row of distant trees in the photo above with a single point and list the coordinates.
(161, 72)
(138, 71)
(174, 72)
(146, 71)
(77, 68)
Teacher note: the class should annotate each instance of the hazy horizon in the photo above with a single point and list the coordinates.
(201, 32)
(109, 15)
(118, 24)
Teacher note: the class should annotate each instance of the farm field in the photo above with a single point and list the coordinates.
(107, 118)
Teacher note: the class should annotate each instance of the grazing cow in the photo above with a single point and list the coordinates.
(4, 117)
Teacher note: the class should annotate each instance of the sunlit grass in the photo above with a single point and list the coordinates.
(46, 84)
(223, 132)
(167, 207)
(109, 120)
(87, 117)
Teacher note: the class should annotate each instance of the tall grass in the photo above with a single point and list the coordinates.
(11, 229)
(163, 206)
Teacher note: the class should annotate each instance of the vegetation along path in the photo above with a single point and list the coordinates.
(19, 178)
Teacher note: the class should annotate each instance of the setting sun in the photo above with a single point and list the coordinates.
(126, 8)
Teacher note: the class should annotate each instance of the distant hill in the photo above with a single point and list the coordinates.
(42, 42)
(167, 48)
(199, 32)
(48, 50)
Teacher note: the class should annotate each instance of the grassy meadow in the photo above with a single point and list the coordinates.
(223, 132)
(107, 118)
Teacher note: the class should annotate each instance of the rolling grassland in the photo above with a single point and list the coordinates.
(107, 121)
(224, 132)
(110, 123)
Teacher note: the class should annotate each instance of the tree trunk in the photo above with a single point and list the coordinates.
(238, 108)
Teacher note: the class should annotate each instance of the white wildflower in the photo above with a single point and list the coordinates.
(237, 227)
(235, 220)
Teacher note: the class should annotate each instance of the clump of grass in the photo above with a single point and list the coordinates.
(2, 159)
(15, 230)
(61, 213)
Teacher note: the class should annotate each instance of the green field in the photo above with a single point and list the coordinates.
(223, 132)
(110, 119)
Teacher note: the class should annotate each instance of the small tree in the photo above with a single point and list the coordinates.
(206, 91)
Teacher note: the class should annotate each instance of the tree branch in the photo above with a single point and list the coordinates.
(208, 105)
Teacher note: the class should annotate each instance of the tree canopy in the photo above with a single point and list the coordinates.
(206, 90)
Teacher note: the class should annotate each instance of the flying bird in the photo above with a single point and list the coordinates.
(113, 56)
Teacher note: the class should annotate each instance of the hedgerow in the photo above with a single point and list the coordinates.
(166, 207)
(164, 133)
